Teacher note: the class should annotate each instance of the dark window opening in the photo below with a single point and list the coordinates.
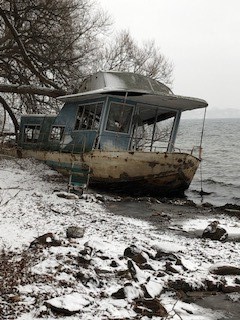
(31, 133)
(119, 118)
(152, 129)
(88, 116)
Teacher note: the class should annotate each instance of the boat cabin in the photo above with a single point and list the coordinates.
(113, 111)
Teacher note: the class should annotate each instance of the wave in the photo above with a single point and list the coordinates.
(233, 207)
(236, 199)
(220, 183)
(214, 198)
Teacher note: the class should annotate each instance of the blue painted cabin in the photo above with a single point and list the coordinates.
(112, 111)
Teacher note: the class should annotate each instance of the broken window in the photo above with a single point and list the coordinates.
(152, 128)
(119, 117)
(88, 116)
(31, 133)
(56, 133)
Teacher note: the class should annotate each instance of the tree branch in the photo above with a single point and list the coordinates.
(29, 89)
(25, 53)
(11, 114)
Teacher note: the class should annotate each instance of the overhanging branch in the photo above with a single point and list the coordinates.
(11, 114)
(24, 52)
(28, 89)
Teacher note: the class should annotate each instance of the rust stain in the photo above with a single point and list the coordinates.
(124, 176)
(152, 164)
(153, 170)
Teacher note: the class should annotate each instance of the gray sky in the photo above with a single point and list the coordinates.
(200, 37)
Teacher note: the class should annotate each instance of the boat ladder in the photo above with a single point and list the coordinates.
(78, 177)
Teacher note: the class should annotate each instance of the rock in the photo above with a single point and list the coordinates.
(85, 256)
(78, 191)
(185, 297)
(150, 308)
(214, 232)
(114, 264)
(132, 270)
(161, 255)
(103, 257)
(170, 268)
(146, 266)
(145, 292)
(68, 304)
(14, 298)
(135, 254)
(132, 292)
(225, 270)
(230, 289)
(124, 274)
(120, 294)
(87, 251)
(100, 197)
(83, 262)
(170, 258)
(213, 285)
(152, 287)
(180, 284)
(88, 281)
(129, 292)
(75, 232)
(67, 195)
(46, 240)
(161, 274)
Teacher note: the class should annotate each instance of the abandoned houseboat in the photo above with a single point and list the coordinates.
(119, 130)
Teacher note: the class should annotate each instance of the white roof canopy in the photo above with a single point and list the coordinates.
(135, 87)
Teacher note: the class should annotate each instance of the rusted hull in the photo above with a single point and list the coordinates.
(142, 172)
(134, 172)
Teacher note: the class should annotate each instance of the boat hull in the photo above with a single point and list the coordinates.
(132, 172)
(142, 172)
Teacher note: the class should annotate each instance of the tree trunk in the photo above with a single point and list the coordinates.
(11, 114)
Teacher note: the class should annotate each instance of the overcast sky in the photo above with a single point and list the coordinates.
(200, 37)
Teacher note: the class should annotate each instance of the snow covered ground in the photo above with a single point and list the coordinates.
(94, 277)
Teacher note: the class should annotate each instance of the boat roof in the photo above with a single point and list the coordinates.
(141, 89)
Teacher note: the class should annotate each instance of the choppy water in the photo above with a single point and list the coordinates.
(219, 174)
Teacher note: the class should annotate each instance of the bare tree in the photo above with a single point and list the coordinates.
(123, 54)
(45, 46)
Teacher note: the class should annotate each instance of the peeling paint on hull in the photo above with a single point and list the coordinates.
(149, 172)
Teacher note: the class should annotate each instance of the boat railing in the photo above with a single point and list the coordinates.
(194, 151)
(146, 144)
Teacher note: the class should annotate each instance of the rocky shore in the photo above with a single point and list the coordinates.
(105, 257)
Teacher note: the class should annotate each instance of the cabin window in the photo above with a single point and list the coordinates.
(88, 116)
(152, 128)
(31, 133)
(56, 133)
(119, 117)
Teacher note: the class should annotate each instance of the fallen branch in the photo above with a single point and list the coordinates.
(5, 203)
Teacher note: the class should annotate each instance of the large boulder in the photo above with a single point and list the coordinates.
(150, 308)
(75, 232)
(46, 240)
(135, 254)
(214, 232)
(68, 304)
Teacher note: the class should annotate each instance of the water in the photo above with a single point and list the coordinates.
(219, 173)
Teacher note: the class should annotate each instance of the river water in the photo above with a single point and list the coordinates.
(219, 172)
